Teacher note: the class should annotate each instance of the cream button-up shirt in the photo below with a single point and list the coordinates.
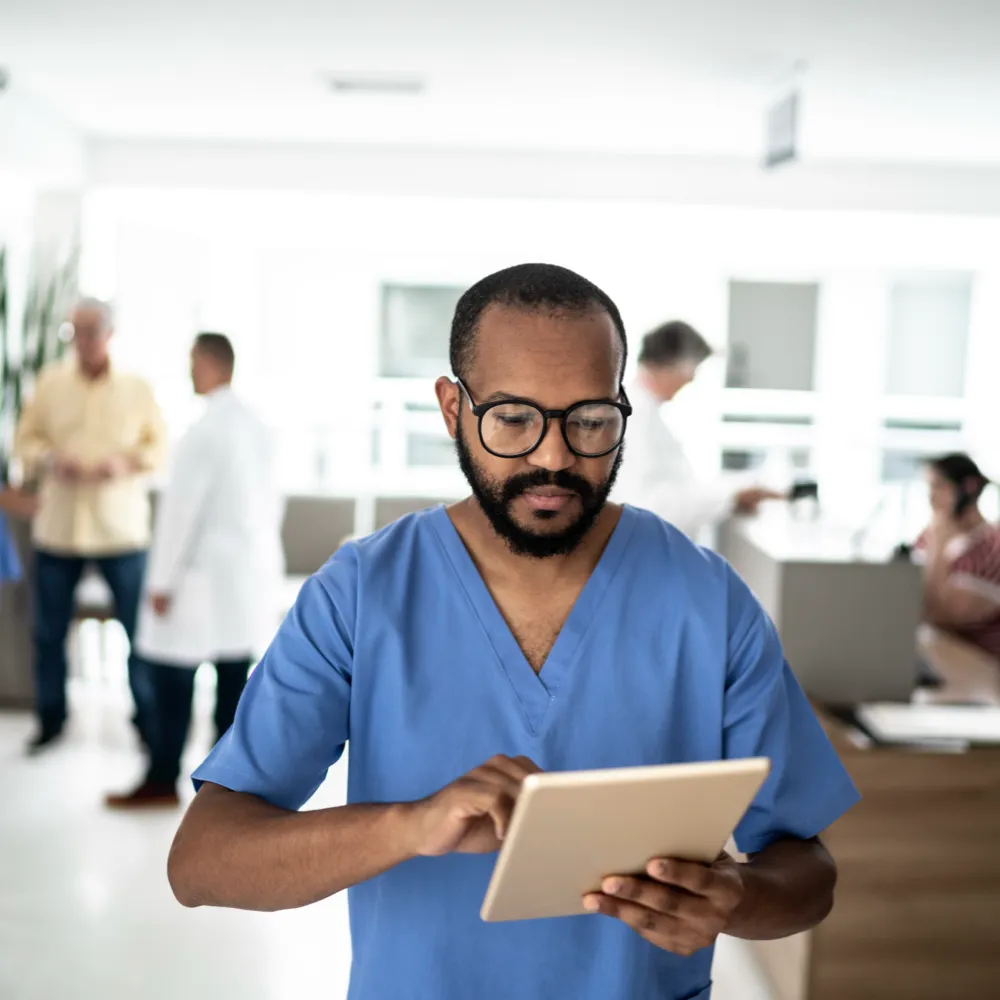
(91, 420)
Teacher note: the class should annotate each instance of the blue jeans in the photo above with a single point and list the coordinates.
(56, 580)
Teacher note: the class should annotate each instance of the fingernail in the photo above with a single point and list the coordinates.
(591, 903)
(612, 886)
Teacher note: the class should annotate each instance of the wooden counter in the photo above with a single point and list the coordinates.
(917, 914)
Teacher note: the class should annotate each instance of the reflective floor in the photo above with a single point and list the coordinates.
(85, 910)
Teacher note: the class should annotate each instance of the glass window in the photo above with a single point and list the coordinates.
(772, 335)
(429, 449)
(902, 466)
(742, 461)
(928, 335)
(416, 323)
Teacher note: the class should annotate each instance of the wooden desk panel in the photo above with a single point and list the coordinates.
(917, 914)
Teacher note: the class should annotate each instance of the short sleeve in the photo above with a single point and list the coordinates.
(292, 721)
(766, 714)
(977, 571)
(980, 560)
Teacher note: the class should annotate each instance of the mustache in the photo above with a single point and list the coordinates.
(524, 481)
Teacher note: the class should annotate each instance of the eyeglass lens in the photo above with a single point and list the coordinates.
(512, 429)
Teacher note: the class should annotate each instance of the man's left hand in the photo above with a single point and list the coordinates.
(681, 907)
(114, 468)
(161, 604)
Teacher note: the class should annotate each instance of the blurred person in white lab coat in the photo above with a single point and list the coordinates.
(215, 568)
(656, 473)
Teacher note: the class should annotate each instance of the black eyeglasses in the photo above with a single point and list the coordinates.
(513, 428)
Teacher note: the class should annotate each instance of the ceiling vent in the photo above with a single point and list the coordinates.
(379, 85)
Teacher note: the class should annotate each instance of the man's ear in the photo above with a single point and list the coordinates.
(449, 398)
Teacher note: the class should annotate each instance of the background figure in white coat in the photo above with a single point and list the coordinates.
(215, 568)
(656, 473)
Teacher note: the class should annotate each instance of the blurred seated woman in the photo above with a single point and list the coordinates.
(960, 551)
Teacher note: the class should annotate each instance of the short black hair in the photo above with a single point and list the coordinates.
(672, 343)
(526, 286)
(218, 347)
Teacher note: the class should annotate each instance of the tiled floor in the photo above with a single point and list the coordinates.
(85, 910)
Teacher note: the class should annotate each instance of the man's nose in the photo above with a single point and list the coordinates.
(553, 453)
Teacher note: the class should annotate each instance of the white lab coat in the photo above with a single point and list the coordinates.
(217, 543)
(657, 474)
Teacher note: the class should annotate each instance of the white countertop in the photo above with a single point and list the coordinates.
(787, 538)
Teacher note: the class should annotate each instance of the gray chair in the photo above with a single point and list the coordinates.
(16, 645)
(312, 531)
(389, 509)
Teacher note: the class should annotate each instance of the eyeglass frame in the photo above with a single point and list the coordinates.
(479, 410)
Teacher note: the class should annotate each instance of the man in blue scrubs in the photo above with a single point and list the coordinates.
(533, 625)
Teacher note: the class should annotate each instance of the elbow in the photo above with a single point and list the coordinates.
(826, 898)
(183, 882)
(824, 907)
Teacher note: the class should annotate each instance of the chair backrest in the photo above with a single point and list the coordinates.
(312, 531)
(389, 509)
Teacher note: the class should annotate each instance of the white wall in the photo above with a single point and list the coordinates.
(38, 147)
(39, 151)
(488, 173)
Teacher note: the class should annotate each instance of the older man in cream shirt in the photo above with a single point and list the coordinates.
(90, 435)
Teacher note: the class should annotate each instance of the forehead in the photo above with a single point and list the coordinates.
(543, 354)
(89, 316)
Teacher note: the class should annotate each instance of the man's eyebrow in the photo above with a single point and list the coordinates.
(507, 397)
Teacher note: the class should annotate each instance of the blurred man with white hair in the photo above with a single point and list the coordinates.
(90, 436)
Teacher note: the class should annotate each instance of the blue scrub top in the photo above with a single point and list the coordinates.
(397, 646)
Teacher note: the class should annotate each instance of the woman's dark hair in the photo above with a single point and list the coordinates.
(957, 468)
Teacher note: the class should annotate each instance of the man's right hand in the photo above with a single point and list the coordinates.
(472, 814)
(161, 604)
(748, 501)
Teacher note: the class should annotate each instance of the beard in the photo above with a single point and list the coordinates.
(495, 497)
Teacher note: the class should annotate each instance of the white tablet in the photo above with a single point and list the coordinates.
(570, 830)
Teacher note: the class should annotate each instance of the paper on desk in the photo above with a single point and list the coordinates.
(892, 723)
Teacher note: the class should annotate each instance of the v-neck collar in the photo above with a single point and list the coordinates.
(535, 693)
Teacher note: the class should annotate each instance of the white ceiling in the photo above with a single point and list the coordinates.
(886, 80)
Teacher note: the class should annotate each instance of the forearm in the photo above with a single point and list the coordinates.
(957, 600)
(238, 851)
(935, 584)
(33, 452)
(788, 888)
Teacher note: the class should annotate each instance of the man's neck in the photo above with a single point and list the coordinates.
(647, 383)
(93, 372)
(498, 564)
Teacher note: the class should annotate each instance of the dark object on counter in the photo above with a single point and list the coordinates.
(806, 490)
